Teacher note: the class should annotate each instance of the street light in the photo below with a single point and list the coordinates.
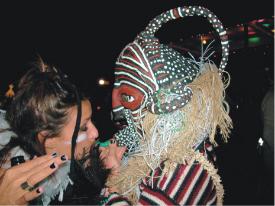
(103, 82)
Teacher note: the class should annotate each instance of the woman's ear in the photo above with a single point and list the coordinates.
(42, 136)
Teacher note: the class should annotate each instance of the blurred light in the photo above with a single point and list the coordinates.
(273, 30)
(254, 39)
(251, 33)
(237, 106)
(204, 41)
(102, 82)
(260, 20)
(266, 25)
(261, 141)
(98, 107)
(241, 28)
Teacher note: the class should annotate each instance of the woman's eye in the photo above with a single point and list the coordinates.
(127, 98)
(84, 129)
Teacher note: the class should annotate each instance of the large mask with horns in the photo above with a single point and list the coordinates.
(146, 71)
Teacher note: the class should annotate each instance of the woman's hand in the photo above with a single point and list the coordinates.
(112, 156)
(17, 184)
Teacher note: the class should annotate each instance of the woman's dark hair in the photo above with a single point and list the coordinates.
(41, 103)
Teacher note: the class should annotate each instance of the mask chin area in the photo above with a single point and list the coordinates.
(128, 135)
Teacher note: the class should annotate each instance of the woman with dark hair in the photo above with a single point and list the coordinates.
(49, 116)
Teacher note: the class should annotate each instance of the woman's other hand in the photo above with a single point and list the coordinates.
(17, 184)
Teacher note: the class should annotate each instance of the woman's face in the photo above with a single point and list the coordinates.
(86, 137)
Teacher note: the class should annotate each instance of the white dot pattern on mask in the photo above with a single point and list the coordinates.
(168, 66)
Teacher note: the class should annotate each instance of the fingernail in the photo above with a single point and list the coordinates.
(39, 190)
(63, 158)
(54, 154)
(52, 166)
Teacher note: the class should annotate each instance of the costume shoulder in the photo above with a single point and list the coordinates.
(116, 199)
(184, 184)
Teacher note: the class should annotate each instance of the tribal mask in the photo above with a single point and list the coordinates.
(151, 76)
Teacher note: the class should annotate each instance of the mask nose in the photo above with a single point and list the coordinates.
(117, 115)
(119, 119)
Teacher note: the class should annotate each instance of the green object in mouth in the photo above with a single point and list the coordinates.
(103, 144)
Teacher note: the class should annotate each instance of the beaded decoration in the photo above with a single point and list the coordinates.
(128, 136)
(146, 67)
(151, 76)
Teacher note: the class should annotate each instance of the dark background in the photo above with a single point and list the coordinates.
(84, 38)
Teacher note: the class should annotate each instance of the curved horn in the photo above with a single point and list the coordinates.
(181, 12)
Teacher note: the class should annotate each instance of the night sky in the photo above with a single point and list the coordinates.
(84, 38)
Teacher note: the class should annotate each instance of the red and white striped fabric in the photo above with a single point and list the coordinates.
(185, 185)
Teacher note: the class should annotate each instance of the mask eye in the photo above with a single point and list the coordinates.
(127, 98)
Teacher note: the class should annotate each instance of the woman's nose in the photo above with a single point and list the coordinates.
(93, 132)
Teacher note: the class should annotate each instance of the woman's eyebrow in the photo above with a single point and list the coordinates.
(88, 118)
